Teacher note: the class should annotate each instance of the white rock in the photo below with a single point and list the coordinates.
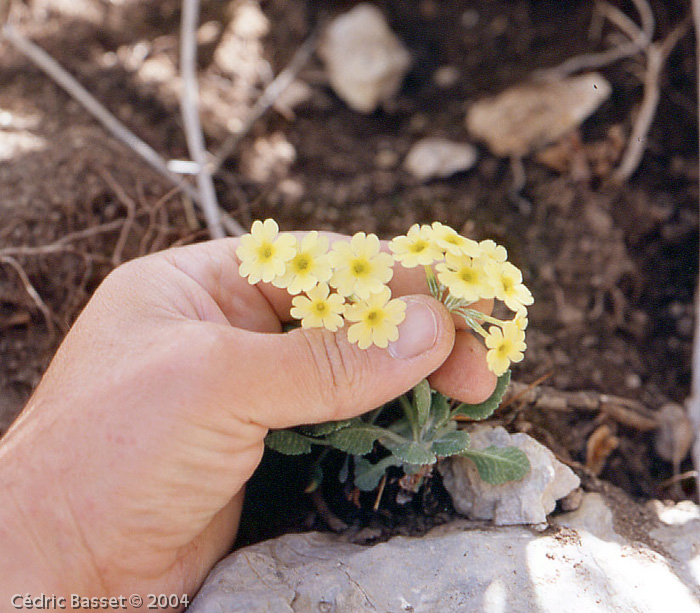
(365, 61)
(432, 158)
(527, 117)
(457, 568)
(527, 501)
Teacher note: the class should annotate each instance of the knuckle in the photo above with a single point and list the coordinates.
(338, 371)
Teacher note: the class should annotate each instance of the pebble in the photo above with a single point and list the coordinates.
(527, 117)
(365, 61)
(438, 158)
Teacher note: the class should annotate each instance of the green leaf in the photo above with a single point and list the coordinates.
(451, 443)
(288, 442)
(496, 465)
(421, 401)
(440, 409)
(327, 427)
(357, 440)
(367, 475)
(486, 408)
(410, 452)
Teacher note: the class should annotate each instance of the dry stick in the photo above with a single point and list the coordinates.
(62, 243)
(189, 105)
(64, 79)
(272, 92)
(656, 54)
(693, 403)
(588, 61)
(130, 214)
(33, 294)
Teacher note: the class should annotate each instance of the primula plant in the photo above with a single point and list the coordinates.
(346, 284)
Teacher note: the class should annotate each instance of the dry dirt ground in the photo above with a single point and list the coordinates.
(612, 266)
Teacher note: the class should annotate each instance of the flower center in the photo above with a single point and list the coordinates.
(467, 275)
(373, 317)
(504, 349)
(320, 308)
(302, 262)
(265, 251)
(418, 246)
(359, 267)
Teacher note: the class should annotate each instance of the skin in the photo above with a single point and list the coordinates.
(125, 473)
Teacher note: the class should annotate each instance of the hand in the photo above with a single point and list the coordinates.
(125, 472)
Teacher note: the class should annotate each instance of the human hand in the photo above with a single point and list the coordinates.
(125, 473)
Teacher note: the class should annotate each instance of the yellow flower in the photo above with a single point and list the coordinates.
(416, 248)
(319, 310)
(449, 241)
(505, 346)
(465, 277)
(359, 267)
(377, 319)
(308, 267)
(264, 252)
(520, 320)
(508, 283)
(493, 250)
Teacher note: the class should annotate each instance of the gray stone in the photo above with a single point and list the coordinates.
(433, 157)
(527, 501)
(463, 567)
(364, 59)
(527, 117)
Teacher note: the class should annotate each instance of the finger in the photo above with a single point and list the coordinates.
(465, 375)
(313, 375)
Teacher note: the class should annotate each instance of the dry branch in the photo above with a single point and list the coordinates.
(693, 403)
(189, 103)
(31, 291)
(623, 410)
(66, 81)
(272, 92)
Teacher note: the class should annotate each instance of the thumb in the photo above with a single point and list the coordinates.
(313, 375)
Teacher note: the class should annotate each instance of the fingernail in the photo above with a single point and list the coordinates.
(417, 333)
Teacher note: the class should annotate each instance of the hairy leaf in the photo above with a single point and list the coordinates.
(327, 427)
(451, 443)
(486, 408)
(440, 409)
(411, 452)
(367, 475)
(357, 440)
(497, 465)
(288, 442)
(421, 401)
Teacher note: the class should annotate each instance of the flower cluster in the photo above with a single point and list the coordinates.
(347, 281)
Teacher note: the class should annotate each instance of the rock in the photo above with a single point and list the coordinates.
(365, 61)
(581, 565)
(432, 158)
(527, 117)
(674, 437)
(527, 501)
(268, 159)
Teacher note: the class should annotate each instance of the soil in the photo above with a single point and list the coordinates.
(612, 266)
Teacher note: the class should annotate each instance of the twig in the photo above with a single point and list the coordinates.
(65, 80)
(189, 105)
(588, 61)
(656, 55)
(33, 294)
(693, 403)
(624, 410)
(273, 91)
(130, 215)
(62, 244)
